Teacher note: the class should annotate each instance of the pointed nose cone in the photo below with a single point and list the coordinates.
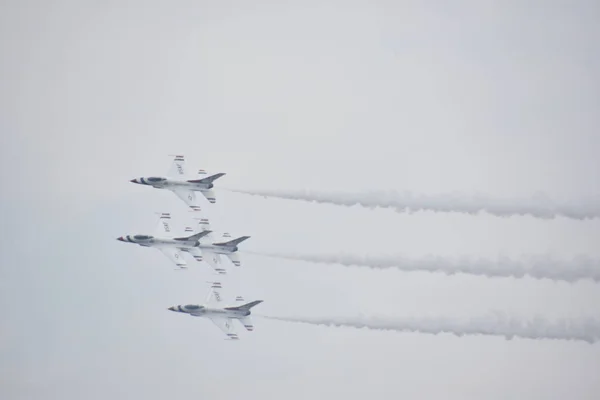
(171, 308)
(133, 181)
(121, 238)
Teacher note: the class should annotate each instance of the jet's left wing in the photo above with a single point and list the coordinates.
(188, 197)
(177, 169)
(174, 255)
(163, 226)
(226, 325)
(214, 294)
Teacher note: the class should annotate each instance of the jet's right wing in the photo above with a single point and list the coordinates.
(188, 197)
(226, 325)
(177, 169)
(174, 255)
(214, 260)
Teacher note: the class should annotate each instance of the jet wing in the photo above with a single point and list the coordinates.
(203, 226)
(214, 260)
(214, 294)
(163, 226)
(174, 255)
(226, 325)
(188, 197)
(177, 169)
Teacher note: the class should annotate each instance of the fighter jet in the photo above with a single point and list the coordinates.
(184, 188)
(171, 246)
(213, 248)
(221, 316)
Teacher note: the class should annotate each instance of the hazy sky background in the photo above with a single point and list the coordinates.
(493, 97)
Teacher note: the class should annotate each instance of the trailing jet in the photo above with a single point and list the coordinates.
(213, 248)
(221, 316)
(184, 188)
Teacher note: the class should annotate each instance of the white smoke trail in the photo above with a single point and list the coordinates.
(538, 267)
(493, 325)
(537, 206)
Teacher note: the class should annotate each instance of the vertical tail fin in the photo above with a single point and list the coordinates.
(196, 236)
(233, 242)
(245, 307)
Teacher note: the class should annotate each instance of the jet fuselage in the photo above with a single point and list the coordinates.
(203, 311)
(153, 241)
(165, 183)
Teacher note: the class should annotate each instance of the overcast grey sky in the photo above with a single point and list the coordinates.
(475, 97)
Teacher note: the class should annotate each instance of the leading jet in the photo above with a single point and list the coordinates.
(177, 182)
(221, 316)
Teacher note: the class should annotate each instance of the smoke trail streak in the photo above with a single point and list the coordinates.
(538, 267)
(492, 325)
(537, 206)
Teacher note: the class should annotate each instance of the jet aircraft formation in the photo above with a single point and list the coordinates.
(201, 244)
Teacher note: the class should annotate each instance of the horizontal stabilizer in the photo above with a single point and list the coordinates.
(208, 179)
(233, 242)
(195, 252)
(235, 259)
(196, 236)
(247, 322)
(210, 195)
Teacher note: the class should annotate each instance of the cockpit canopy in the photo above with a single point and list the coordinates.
(154, 179)
(193, 307)
(142, 237)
